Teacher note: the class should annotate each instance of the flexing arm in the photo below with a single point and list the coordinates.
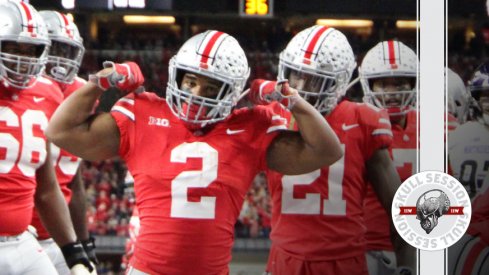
(97, 137)
(385, 181)
(75, 129)
(314, 146)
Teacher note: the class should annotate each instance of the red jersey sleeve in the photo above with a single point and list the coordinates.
(123, 113)
(273, 120)
(377, 128)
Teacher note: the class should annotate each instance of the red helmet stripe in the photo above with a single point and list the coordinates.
(314, 41)
(66, 24)
(392, 52)
(209, 46)
(27, 11)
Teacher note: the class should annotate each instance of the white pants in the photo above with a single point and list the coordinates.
(381, 262)
(22, 255)
(56, 256)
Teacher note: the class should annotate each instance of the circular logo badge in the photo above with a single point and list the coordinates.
(431, 210)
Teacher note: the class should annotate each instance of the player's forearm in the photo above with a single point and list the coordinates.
(52, 207)
(317, 133)
(78, 207)
(73, 115)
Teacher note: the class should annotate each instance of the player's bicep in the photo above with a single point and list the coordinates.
(288, 154)
(97, 139)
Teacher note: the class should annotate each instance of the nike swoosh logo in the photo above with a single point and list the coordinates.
(348, 127)
(38, 99)
(234, 132)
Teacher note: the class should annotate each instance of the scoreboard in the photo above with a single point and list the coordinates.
(256, 8)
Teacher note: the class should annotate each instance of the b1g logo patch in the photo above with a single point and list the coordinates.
(431, 210)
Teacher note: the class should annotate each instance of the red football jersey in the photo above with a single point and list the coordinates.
(318, 216)
(189, 186)
(403, 152)
(65, 164)
(24, 116)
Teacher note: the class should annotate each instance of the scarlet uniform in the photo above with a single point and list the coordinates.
(24, 116)
(65, 164)
(318, 216)
(403, 151)
(189, 187)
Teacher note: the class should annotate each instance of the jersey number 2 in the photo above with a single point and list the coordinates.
(181, 207)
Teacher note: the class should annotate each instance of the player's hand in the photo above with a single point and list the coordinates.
(75, 256)
(264, 92)
(125, 76)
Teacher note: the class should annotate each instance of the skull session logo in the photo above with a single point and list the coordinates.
(431, 210)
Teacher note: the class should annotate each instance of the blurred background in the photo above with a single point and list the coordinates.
(150, 31)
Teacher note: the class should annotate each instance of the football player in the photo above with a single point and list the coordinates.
(64, 60)
(317, 217)
(467, 145)
(27, 101)
(388, 78)
(469, 161)
(458, 97)
(192, 155)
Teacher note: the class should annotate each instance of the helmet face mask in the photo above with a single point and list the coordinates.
(313, 87)
(394, 94)
(23, 45)
(214, 58)
(198, 108)
(320, 61)
(390, 60)
(66, 52)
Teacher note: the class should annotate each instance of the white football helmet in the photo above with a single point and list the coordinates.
(66, 52)
(389, 59)
(215, 55)
(457, 93)
(323, 61)
(22, 24)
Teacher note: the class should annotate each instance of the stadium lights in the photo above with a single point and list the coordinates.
(406, 24)
(346, 23)
(144, 19)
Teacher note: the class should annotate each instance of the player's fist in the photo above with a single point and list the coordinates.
(263, 92)
(125, 76)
